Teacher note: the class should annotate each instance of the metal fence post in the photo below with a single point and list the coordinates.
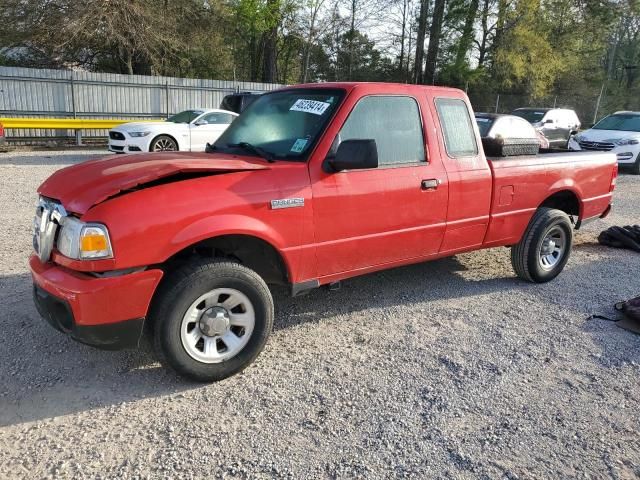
(73, 107)
(166, 94)
(497, 102)
(595, 114)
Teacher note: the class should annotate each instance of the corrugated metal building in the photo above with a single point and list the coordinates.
(27, 92)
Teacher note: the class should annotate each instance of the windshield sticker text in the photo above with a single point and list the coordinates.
(310, 106)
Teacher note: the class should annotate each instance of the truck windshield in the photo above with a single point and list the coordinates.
(285, 124)
(626, 122)
(531, 116)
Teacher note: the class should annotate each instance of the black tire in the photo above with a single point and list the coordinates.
(525, 255)
(163, 143)
(635, 168)
(178, 292)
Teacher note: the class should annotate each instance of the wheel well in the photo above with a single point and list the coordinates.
(164, 135)
(252, 252)
(566, 200)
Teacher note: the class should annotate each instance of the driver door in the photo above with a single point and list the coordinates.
(550, 128)
(382, 215)
(207, 128)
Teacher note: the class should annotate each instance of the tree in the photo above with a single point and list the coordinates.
(434, 42)
(422, 28)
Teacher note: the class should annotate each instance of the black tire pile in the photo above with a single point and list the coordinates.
(621, 237)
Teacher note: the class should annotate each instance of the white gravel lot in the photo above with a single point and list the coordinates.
(449, 369)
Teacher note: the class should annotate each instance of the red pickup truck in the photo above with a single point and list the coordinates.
(311, 185)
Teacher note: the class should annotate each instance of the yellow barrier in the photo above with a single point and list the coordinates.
(64, 123)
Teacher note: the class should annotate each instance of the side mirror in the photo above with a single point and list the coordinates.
(201, 122)
(548, 120)
(355, 154)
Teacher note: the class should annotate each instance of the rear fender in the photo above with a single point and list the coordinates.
(567, 185)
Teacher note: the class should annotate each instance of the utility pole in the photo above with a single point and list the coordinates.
(595, 114)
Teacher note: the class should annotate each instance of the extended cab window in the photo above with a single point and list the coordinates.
(459, 138)
(393, 122)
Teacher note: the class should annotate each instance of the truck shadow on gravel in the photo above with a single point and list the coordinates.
(44, 374)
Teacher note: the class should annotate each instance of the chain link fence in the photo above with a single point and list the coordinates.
(589, 107)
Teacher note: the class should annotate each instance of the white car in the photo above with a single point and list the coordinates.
(618, 133)
(188, 131)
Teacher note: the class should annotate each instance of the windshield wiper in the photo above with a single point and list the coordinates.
(268, 156)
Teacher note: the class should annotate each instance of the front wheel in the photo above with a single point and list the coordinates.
(545, 246)
(163, 143)
(211, 319)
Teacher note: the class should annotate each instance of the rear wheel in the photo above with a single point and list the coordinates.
(545, 247)
(211, 319)
(163, 143)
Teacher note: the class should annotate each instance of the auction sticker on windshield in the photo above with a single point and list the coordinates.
(310, 106)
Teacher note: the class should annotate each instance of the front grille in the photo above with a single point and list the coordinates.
(49, 215)
(117, 147)
(116, 135)
(598, 146)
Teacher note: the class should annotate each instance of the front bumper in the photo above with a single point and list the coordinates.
(106, 312)
(626, 154)
(129, 145)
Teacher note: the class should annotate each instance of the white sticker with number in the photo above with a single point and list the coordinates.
(310, 106)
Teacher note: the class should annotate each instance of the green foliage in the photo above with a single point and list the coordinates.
(533, 48)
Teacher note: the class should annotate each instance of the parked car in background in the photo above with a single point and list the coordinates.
(188, 131)
(556, 124)
(516, 130)
(618, 133)
(237, 102)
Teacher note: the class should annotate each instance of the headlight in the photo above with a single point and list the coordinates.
(84, 241)
(627, 141)
(139, 134)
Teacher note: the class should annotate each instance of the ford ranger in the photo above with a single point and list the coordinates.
(311, 185)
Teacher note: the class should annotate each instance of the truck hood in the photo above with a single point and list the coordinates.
(81, 186)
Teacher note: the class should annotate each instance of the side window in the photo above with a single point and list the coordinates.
(393, 122)
(218, 118)
(459, 137)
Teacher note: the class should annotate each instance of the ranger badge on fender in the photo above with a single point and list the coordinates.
(287, 203)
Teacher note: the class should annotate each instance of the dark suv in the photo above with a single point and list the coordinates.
(556, 124)
(237, 102)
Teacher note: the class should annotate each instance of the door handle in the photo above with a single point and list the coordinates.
(430, 184)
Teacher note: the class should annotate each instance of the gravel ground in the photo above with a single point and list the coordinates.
(449, 369)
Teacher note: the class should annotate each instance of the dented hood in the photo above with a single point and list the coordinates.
(79, 187)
